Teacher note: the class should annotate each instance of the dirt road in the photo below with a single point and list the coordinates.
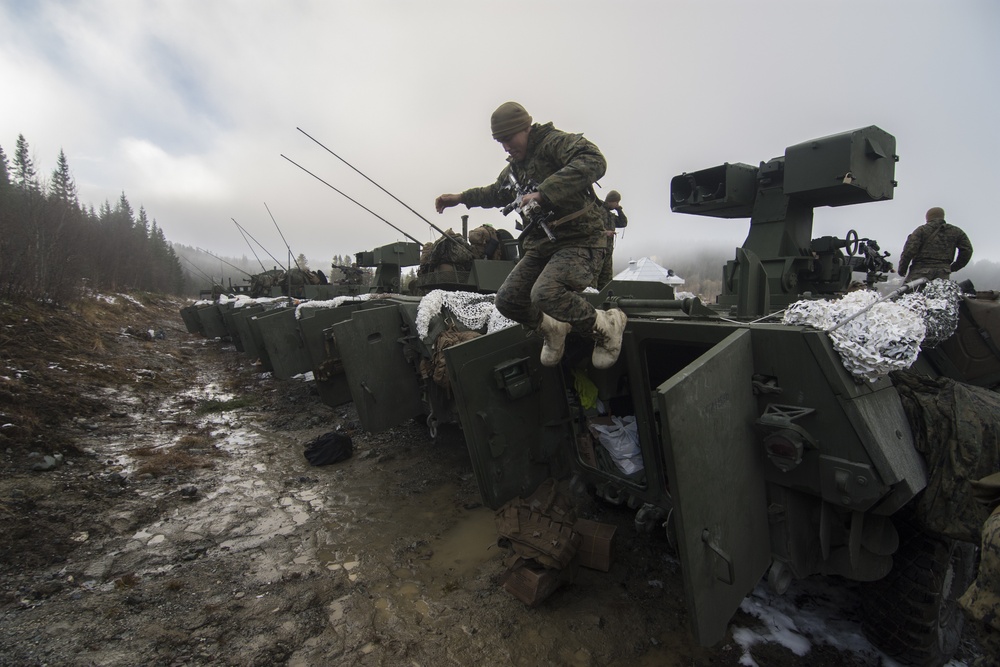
(184, 526)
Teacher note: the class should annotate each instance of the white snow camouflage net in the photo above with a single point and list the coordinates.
(473, 310)
(888, 337)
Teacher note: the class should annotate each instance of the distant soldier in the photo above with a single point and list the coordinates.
(614, 219)
(931, 249)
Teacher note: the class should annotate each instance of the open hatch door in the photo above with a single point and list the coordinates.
(514, 413)
(716, 479)
(384, 385)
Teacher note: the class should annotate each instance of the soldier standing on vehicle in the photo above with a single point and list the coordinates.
(543, 290)
(614, 219)
(931, 249)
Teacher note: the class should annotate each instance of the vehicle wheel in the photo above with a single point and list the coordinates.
(912, 614)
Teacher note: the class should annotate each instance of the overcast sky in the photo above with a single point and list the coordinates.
(188, 106)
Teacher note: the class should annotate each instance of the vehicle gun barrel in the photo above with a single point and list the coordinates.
(687, 306)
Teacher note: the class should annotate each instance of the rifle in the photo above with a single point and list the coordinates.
(532, 214)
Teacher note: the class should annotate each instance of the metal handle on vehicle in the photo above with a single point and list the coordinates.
(706, 537)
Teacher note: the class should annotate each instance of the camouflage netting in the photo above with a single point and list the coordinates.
(887, 337)
(474, 311)
(956, 427)
(451, 318)
(937, 304)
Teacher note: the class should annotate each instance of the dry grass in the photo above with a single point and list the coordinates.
(169, 461)
(213, 405)
(55, 362)
(190, 452)
(194, 442)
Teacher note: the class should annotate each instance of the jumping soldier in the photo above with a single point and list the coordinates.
(543, 290)
(931, 249)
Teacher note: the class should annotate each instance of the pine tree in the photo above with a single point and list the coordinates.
(62, 187)
(142, 223)
(302, 262)
(24, 168)
(124, 213)
(4, 173)
(140, 259)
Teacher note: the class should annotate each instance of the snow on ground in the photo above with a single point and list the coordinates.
(812, 611)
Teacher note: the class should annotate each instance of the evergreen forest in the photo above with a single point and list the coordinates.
(53, 248)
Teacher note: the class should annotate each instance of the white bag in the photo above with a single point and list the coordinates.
(622, 441)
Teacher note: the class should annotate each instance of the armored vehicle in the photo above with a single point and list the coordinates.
(387, 351)
(761, 455)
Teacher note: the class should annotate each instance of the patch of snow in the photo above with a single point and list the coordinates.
(811, 611)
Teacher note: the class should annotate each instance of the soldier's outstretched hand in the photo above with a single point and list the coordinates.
(447, 201)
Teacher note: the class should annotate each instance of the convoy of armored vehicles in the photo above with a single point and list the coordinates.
(762, 455)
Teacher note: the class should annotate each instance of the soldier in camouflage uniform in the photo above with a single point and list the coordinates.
(614, 218)
(981, 602)
(543, 290)
(931, 249)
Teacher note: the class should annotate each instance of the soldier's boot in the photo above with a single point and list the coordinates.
(554, 333)
(608, 329)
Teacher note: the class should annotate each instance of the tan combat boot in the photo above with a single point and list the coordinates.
(608, 329)
(554, 332)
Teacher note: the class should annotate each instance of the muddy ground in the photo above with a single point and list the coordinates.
(177, 522)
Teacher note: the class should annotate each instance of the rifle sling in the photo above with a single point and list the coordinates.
(555, 223)
(572, 216)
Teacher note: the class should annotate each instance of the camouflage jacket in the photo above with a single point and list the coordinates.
(564, 166)
(932, 245)
(613, 219)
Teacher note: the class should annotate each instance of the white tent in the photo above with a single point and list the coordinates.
(647, 270)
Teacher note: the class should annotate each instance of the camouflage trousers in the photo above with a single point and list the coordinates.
(981, 602)
(606, 273)
(551, 284)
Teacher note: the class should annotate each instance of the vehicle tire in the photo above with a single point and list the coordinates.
(912, 614)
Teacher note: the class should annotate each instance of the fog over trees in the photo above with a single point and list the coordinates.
(52, 247)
